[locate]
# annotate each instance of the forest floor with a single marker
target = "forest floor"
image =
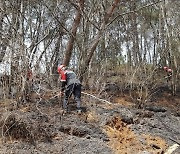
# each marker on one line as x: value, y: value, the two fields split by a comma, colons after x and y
x: 40, y: 126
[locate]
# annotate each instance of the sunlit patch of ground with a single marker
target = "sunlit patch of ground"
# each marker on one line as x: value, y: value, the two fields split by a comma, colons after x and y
x: 154, y: 142
x: 124, y: 141
x: 92, y: 117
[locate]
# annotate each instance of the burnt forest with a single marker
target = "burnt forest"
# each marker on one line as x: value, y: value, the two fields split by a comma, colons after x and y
x: 89, y: 77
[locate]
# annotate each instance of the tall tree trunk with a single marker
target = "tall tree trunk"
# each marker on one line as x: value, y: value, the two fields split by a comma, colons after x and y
x: 129, y: 51
x: 56, y: 59
x: 136, y: 52
x: 75, y: 25
x: 97, y: 38
x: 171, y: 57
x: 2, y: 42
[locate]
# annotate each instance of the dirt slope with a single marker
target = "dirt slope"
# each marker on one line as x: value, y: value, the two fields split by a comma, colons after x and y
x: 42, y: 128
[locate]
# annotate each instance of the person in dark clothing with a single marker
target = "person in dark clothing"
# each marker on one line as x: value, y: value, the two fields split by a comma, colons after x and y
x: 70, y: 85
x: 168, y: 73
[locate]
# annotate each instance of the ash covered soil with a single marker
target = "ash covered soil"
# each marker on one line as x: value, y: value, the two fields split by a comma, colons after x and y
x: 118, y: 127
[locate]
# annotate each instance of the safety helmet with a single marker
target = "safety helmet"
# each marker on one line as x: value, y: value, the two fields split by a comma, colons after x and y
x: 60, y: 68
x: 165, y: 68
x: 169, y: 70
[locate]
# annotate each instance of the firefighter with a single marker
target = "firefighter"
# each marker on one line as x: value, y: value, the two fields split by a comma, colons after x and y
x: 169, y: 73
x: 70, y: 85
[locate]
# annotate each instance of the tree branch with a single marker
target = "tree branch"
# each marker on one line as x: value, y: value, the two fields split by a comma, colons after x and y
x: 133, y: 11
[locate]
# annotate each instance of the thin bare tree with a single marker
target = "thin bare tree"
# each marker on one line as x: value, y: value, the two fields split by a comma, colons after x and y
x: 75, y: 25
x: 97, y: 38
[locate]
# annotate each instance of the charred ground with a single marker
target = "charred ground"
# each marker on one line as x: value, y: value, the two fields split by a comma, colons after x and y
x: 123, y: 123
